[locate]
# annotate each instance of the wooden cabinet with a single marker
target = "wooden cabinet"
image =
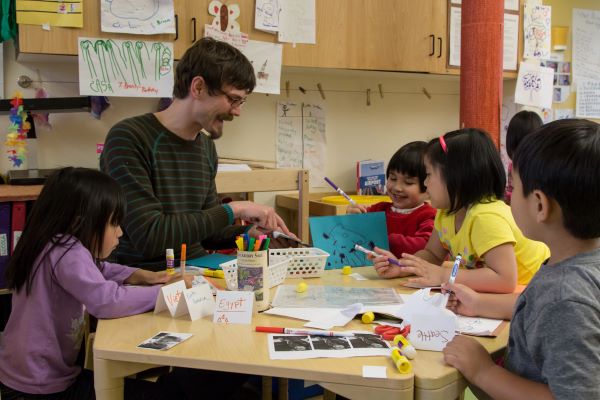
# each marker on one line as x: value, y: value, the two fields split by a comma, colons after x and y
x: 390, y: 35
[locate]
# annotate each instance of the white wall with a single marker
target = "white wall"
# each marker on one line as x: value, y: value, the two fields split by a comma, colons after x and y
x: 355, y: 131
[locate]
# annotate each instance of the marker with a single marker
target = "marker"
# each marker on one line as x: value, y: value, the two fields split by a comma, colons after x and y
x: 275, y: 329
x: 340, y: 191
x: 277, y: 234
x: 182, y: 262
x: 455, y: 268
x: 453, y: 274
x: 367, y: 251
x: 213, y: 273
x: 266, y: 242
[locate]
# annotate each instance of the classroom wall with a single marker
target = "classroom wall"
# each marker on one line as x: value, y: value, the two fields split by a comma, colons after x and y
x: 355, y: 131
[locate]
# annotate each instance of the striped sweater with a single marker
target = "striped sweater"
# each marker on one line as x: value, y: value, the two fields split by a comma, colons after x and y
x: 169, y: 184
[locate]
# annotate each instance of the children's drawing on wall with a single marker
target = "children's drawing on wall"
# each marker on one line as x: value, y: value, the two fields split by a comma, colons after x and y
x: 536, y: 31
x: 266, y: 16
x: 338, y: 234
x: 534, y: 86
x: 142, y: 17
x: 49, y: 13
x: 266, y: 60
x: 225, y: 16
x: 314, y: 143
x: 125, y: 68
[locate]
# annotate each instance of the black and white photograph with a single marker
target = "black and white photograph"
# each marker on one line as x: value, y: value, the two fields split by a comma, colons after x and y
x: 330, y: 343
x: 164, y: 340
x: 291, y: 343
x: 366, y: 341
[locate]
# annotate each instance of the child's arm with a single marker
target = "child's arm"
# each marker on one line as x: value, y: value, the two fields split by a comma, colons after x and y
x: 500, y: 276
x: 356, y: 209
x: 473, y: 361
x: 466, y: 301
x: 143, y: 277
x: 400, y: 243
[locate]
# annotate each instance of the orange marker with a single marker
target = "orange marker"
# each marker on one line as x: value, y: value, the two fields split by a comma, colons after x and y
x: 182, y: 263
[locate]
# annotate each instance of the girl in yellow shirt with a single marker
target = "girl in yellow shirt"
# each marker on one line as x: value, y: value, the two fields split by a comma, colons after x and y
x: 465, y: 182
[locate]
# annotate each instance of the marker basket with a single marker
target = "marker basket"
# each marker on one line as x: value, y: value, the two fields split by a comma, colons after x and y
x: 306, y: 262
x: 277, y: 272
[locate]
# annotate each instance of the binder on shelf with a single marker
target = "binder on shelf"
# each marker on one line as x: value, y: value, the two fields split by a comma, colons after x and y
x: 17, y: 223
x: 5, y: 248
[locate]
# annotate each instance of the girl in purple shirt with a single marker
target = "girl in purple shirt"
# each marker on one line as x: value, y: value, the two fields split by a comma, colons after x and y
x: 55, y: 274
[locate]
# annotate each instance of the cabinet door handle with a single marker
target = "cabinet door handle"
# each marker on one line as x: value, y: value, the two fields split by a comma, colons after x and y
x: 176, y: 27
x: 440, y: 53
x: 194, y: 29
x: 432, y: 45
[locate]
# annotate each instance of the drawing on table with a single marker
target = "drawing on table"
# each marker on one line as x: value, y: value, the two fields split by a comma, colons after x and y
x: 146, y: 17
x: 125, y: 67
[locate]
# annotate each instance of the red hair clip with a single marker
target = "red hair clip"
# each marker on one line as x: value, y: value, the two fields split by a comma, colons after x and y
x: 443, y: 144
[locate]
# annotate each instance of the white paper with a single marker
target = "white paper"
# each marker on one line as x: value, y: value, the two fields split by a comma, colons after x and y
x: 297, y: 21
x: 266, y: 60
x: 235, y: 38
x: 233, y: 167
x: 168, y: 297
x: 141, y: 17
x: 512, y: 5
x: 339, y: 317
x: 510, y: 45
x: 289, y: 134
x: 315, y: 143
x: 233, y: 307
x: 432, y: 331
x: 196, y: 302
x: 511, y: 41
x: 477, y: 326
x: 534, y: 86
x: 586, y: 46
x: 588, y: 99
x: 432, y: 325
x: 358, y: 277
x: 298, y: 347
x: 127, y: 68
x: 536, y: 31
x: 266, y: 15
x: 374, y: 371
x: 564, y: 113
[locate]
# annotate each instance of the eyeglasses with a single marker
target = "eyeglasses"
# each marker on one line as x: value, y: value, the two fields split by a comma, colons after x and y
x: 234, y: 101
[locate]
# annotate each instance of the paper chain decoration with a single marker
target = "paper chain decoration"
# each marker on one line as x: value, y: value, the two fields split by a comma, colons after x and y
x: 17, y: 131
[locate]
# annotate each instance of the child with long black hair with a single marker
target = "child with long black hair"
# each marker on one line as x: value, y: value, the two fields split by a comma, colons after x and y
x: 55, y: 273
x: 465, y: 182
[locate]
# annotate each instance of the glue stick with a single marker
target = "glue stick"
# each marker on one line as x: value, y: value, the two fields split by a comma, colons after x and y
x: 405, y: 347
x: 170, y: 262
x: 402, y: 364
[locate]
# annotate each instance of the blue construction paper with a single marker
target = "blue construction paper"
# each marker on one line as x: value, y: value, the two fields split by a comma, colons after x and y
x: 338, y: 234
x: 210, y: 260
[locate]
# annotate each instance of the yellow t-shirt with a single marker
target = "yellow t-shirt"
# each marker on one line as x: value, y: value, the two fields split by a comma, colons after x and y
x: 488, y: 225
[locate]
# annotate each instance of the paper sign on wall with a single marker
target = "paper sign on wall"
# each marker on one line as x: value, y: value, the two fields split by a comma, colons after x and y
x: 130, y: 68
x: 233, y: 307
x: 197, y: 302
x: 168, y: 297
x: 534, y: 86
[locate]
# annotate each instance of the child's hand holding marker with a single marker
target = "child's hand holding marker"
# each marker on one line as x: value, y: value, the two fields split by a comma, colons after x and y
x: 385, y: 263
x: 356, y: 209
x: 463, y: 300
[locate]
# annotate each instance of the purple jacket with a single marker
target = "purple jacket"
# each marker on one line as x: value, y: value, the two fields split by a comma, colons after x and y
x: 43, y: 335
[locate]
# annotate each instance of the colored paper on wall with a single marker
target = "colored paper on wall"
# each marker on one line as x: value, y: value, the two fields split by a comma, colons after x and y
x: 50, y: 12
x: 534, y: 86
x: 127, y: 68
x: 536, y: 31
x: 338, y: 234
x: 141, y: 17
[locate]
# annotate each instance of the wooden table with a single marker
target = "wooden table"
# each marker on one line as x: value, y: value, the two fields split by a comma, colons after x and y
x: 237, y: 348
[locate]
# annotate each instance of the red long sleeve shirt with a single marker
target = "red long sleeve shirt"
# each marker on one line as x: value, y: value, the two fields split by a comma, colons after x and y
x: 407, y: 233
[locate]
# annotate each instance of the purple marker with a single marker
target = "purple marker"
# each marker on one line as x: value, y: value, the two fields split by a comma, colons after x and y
x: 367, y: 251
x: 340, y: 191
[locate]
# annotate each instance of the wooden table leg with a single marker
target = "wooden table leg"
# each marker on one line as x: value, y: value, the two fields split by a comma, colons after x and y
x: 109, y: 377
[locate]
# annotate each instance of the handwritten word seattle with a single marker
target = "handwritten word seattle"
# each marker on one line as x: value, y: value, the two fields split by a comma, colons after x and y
x: 430, y: 335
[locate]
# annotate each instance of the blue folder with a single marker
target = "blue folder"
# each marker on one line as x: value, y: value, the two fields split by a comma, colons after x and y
x: 210, y: 261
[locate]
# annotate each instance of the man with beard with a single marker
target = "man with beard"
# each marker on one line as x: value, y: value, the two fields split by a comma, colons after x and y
x: 167, y: 166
